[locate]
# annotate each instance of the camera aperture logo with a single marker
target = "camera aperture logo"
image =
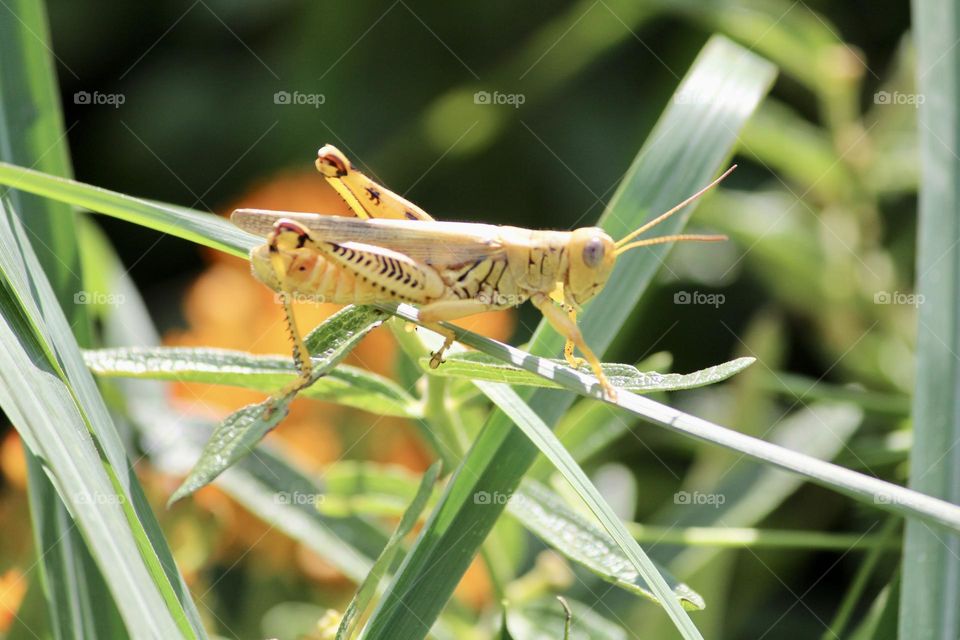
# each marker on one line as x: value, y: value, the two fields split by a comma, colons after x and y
x: 98, y: 298
x: 298, y: 98
x: 699, y: 298
x: 696, y: 498
x: 96, y: 98
x: 898, y: 298
x: 897, y: 97
x: 496, y: 98
x: 298, y: 498
x: 485, y: 497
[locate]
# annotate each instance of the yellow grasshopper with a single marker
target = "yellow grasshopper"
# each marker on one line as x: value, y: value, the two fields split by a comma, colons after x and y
x: 395, y: 252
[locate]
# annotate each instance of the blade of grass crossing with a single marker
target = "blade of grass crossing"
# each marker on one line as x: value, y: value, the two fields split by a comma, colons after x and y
x: 49, y: 397
x: 930, y: 598
x: 368, y: 588
x: 31, y: 126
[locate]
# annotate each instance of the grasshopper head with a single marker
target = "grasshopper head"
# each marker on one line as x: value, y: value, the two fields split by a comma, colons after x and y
x: 592, y: 256
x: 261, y: 267
x: 275, y: 259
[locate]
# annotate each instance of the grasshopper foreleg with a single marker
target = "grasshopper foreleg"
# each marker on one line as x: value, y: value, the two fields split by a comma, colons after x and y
x: 570, y: 345
x: 562, y: 322
x: 557, y: 296
x: 284, y: 237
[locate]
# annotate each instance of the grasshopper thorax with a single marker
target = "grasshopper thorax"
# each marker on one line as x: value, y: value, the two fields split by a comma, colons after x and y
x: 592, y: 255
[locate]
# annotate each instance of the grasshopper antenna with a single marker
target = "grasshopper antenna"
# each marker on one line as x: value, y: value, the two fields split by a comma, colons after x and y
x: 624, y: 243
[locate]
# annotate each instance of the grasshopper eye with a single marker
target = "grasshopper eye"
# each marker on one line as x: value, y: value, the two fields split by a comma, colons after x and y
x: 593, y: 252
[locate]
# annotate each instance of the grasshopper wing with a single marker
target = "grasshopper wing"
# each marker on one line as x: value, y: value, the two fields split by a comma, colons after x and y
x: 445, y: 244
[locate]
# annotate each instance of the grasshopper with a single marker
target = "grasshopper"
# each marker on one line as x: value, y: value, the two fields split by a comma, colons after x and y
x: 393, y: 251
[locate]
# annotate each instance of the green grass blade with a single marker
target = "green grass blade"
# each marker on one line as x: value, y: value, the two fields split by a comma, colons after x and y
x: 544, y: 512
x: 368, y: 588
x: 853, y: 596
x: 683, y: 153
x: 881, y: 494
x: 346, y: 385
x: 930, y: 597
x: 31, y: 133
x: 53, y: 401
x: 203, y: 228
x: 474, y: 365
x: 540, y: 434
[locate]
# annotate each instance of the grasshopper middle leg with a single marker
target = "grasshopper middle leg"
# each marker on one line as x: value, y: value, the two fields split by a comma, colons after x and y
x: 444, y: 310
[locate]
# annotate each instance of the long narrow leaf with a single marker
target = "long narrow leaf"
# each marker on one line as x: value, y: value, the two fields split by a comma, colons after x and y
x: 52, y: 400
x: 368, y: 588
x: 480, y: 366
x: 345, y: 385
x: 930, y: 597
x: 881, y: 494
x: 31, y: 133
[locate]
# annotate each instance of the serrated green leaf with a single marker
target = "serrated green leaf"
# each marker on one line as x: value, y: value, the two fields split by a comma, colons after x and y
x: 475, y: 365
x: 346, y: 385
x: 547, y: 515
x: 232, y: 440
x: 235, y: 437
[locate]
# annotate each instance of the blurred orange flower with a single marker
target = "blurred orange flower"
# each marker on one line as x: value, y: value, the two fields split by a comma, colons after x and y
x: 13, y: 586
x: 12, y: 464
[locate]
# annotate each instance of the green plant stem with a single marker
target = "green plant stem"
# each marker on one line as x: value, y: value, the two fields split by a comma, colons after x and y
x: 883, y: 495
x: 748, y: 537
x: 840, y: 621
